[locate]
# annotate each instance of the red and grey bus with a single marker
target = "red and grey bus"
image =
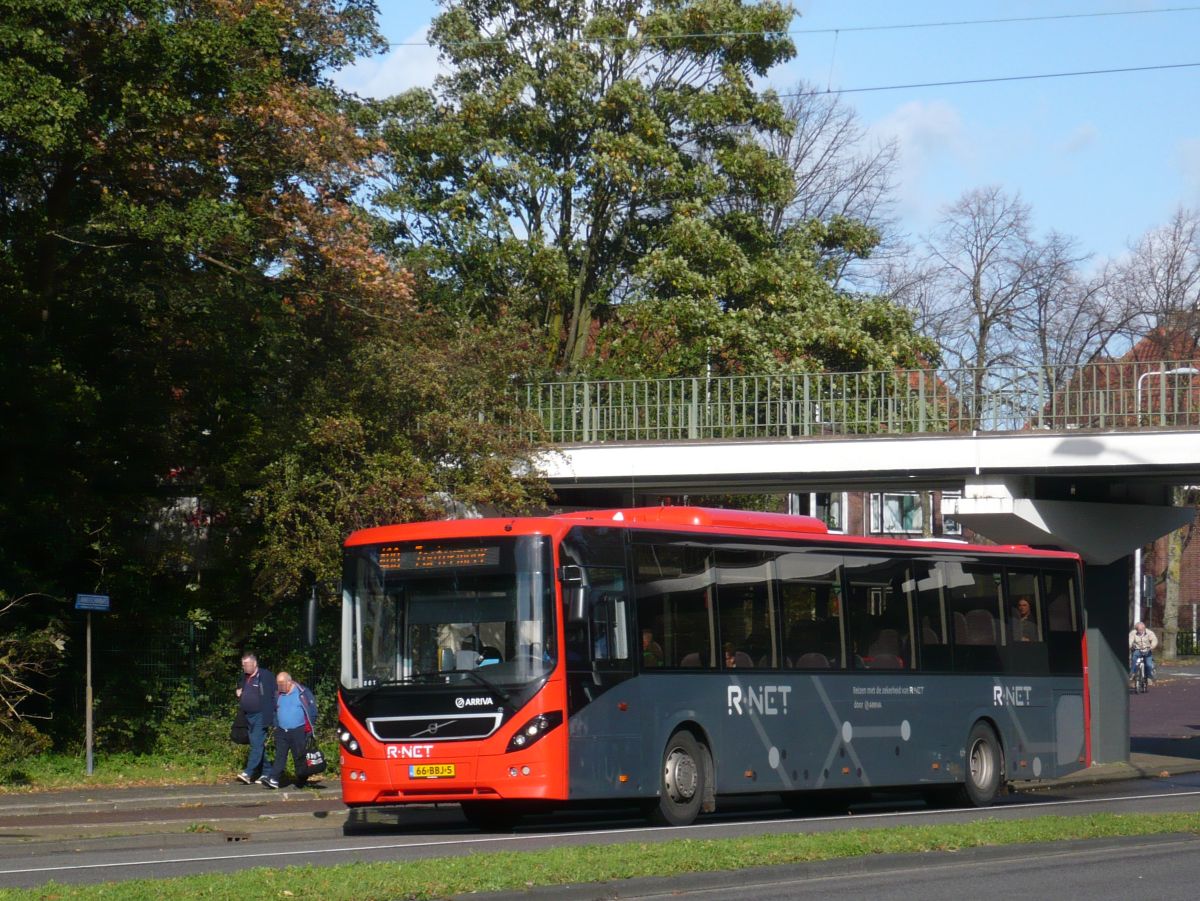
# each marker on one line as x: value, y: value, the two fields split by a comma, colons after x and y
x: 669, y: 656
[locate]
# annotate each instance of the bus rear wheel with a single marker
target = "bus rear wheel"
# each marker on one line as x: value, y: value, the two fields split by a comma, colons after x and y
x: 982, y: 767
x: 681, y: 782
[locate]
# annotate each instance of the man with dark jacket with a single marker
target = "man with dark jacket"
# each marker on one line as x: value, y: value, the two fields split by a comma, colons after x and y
x: 256, y: 697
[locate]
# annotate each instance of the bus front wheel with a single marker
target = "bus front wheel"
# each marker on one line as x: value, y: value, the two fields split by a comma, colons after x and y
x: 982, y: 767
x: 681, y: 782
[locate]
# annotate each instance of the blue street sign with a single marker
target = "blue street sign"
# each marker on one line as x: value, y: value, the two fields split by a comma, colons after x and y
x: 96, y: 602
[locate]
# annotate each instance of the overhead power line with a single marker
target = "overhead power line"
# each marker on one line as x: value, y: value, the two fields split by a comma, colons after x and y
x: 1000, y: 21
x: 942, y: 84
x: 855, y: 28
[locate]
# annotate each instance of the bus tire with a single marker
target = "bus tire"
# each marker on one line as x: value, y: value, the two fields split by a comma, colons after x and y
x: 982, y: 768
x: 681, y: 782
x: 491, y: 816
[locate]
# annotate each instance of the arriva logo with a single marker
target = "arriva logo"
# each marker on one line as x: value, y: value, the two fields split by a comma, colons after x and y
x: 460, y: 703
x: 768, y: 700
x: 1012, y: 695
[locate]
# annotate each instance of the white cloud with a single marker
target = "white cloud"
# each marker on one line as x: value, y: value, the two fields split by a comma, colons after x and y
x: 1187, y: 159
x: 409, y: 64
x: 931, y: 139
x: 1082, y: 138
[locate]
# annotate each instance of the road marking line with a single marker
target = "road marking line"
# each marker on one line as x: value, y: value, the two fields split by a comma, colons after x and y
x: 524, y: 837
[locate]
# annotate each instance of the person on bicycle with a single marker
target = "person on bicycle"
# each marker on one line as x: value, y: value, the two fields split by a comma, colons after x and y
x: 1142, y: 643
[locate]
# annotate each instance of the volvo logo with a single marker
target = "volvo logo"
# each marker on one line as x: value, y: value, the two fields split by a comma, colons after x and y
x: 460, y: 703
x: 431, y: 729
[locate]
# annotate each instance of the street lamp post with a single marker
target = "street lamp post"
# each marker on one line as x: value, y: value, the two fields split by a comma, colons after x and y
x: 1137, y: 409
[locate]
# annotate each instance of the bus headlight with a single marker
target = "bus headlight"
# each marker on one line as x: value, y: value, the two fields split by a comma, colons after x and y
x: 532, y: 731
x: 348, y: 742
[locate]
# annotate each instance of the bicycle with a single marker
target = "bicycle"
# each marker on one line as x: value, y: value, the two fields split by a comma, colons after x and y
x: 1140, y: 684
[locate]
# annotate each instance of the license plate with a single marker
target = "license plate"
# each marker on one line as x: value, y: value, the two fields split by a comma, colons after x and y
x: 431, y: 771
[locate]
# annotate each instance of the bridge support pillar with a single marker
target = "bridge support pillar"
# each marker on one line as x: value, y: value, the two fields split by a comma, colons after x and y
x: 1106, y: 588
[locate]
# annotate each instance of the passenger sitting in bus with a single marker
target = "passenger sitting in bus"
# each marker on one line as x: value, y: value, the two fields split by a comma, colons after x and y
x: 730, y: 659
x: 1024, y: 628
x: 652, y: 652
x: 735, y: 659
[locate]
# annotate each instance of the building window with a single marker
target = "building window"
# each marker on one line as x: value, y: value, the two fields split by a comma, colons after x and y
x: 828, y: 507
x: 897, y: 514
x: 950, y: 525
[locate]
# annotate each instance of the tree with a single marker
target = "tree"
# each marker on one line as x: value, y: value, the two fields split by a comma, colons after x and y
x: 839, y: 178
x: 196, y: 310
x: 568, y: 163
x: 1160, y: 280
x: 1068, y: 320
x: 178, y: 241
x: 30, y: 652
x: 606, y: 171
x: 399, y: 433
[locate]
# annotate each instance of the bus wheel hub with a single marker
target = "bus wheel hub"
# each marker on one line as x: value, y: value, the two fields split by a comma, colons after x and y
x: 680, y: 776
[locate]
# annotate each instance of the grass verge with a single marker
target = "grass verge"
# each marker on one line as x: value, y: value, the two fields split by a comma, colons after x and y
x: 186, y: 766
x: 53, y: 772
x: 444, y: 877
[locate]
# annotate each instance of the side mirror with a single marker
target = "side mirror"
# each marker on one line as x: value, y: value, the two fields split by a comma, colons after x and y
x: 573, y: 592
x: 310, y: 617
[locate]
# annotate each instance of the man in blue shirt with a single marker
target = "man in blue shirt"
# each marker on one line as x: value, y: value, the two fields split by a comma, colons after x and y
x: 295, y: 717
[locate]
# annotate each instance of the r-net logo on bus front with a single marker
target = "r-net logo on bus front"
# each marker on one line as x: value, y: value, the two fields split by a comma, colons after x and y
x: 766, y: 700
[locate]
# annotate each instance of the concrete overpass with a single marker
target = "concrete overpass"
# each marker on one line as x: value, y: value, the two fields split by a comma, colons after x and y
x: 1092, y: 472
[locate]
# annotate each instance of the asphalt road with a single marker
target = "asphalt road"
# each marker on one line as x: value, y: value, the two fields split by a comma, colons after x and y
x: 443, y: 832
x: 1160, y: 867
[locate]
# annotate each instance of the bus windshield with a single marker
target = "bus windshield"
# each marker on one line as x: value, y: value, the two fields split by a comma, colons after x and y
x: 461, y: 610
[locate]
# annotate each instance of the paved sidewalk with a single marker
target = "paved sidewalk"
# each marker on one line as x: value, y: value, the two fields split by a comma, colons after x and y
x: 1139, y: 766
x: 235, y: 807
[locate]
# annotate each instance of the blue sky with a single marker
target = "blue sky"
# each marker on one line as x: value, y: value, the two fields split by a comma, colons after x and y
x: 1102, y: 158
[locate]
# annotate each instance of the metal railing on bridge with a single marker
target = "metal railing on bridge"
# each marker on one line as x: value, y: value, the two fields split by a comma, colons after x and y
x: 1125, y: 395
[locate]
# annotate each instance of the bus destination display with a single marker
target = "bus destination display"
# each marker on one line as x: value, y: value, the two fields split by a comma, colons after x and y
x: 424, y: 558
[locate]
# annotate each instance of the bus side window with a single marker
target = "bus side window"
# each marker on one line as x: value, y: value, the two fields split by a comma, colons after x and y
x: 675, y: 601
x: 1063, y: 621
x: 809, y: 612
x: 931, y: 624
x: 745, y: 617
x: 877, y: 607
x: 609, y: 627
x: 974, y: 592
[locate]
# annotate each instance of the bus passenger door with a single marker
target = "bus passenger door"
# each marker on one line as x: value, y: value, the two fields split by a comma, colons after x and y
x: 603, y: 737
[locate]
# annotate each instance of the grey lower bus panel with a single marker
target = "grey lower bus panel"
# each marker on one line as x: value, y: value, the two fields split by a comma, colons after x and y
x: 784, y: 732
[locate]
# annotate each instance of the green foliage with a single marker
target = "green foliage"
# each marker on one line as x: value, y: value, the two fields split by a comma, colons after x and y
x: 209, y: 372
x: 602, y: 171
x: 31, y: 650
x: 763, y: 304
x: 18, y: 742
x: 396, y: 434
x: 569, y: 161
